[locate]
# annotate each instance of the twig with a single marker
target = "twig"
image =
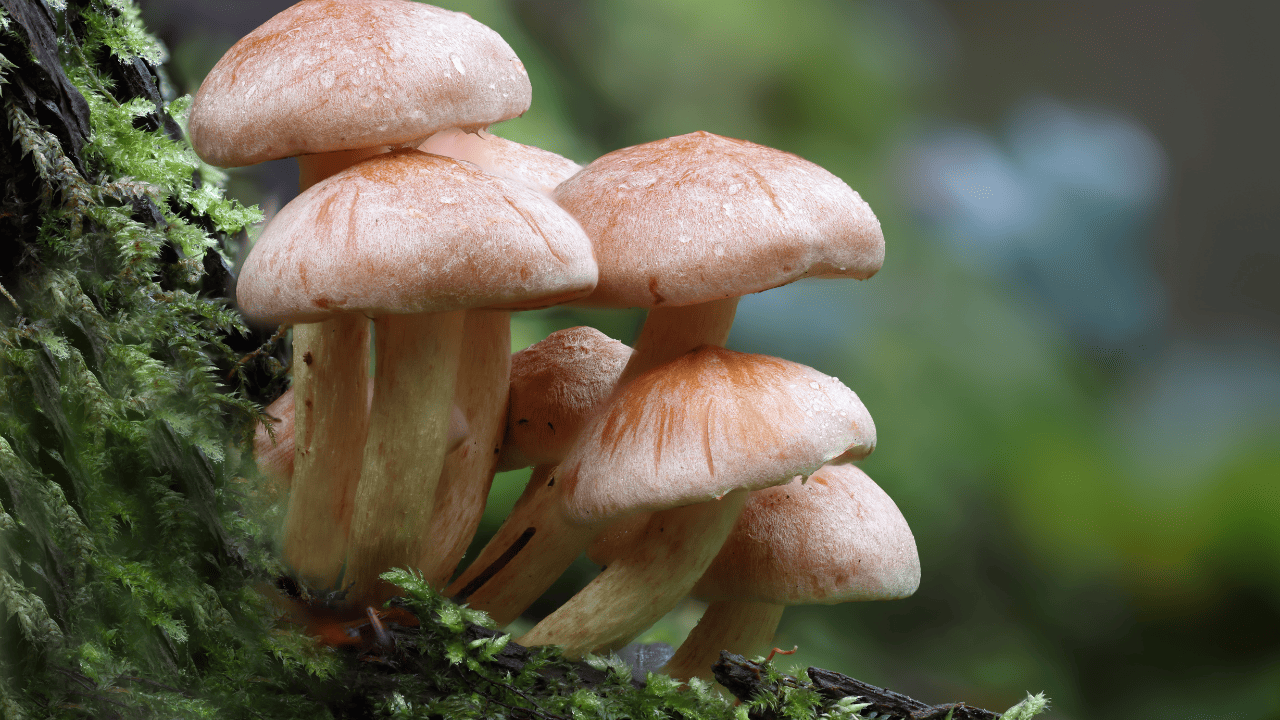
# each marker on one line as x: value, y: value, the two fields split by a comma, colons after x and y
x: 275, y: 337
x: 13, y: 302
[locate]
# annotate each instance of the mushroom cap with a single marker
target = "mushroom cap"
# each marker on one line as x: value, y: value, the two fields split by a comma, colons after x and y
x: 701, y: 217
x: 530, y: 166
x: 328, y: 75
x: 409, y: 232
x: 556, y: 386
x: 703, y: 425
x: 836, y: 537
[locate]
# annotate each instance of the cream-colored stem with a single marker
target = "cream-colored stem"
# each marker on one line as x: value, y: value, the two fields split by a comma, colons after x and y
x: 741, y: 627
x: 669, y: 332
x: 531, y: 549
x: 645, y: 582
x: 417, y: 362
x: 314, y: 168
x: 481, y: 391
x: 330, y: 367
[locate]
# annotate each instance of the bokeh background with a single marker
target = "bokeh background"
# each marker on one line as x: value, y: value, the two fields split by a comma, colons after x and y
x: 1072, y: 353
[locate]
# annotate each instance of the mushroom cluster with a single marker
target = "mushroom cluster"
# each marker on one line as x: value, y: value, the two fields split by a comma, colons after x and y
x: 683, y: 466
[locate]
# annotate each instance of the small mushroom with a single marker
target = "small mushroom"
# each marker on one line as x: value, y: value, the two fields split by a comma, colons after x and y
x: 556, y: 386
x: 834, y: 538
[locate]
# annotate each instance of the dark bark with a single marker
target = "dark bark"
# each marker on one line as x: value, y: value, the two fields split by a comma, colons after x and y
x: 747, y: 679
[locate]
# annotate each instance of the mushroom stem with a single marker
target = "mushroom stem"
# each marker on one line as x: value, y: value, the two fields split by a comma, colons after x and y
x: 643, y: 583
x: 331, y: 364
x: 273, y: 446
x: 481, y: 392
x: 330, y: 367
x: 417, y: 361
x: 533, y: 547
x: 739, y: 626
x: 670, y: 332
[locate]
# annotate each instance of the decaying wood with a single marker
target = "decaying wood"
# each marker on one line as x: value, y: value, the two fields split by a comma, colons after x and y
x: 745, y: 679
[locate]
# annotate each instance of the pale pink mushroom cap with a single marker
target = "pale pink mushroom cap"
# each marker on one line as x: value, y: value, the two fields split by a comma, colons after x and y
x: 556, y: 386
x: 409, y: 232
x: 836, y: 537
x: 701, y: 426
x: 329, y: 75
x: 700, y: 217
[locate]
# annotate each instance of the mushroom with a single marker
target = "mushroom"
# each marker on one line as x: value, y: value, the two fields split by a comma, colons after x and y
x: 835, y: 537
x: 332, y: 82
x: 428, y: 237
x: 556, y: 386
x: 686, y: 225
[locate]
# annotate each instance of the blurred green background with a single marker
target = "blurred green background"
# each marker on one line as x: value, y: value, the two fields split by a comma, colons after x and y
x: 1072, y: 353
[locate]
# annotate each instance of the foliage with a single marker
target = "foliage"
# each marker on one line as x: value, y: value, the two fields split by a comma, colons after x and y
x: 124, y: 580
x: 534, y: 681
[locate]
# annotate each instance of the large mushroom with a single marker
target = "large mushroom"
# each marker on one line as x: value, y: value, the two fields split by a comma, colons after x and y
x: 428, y: 238
x: 332, y: 82
x: 481, y: 389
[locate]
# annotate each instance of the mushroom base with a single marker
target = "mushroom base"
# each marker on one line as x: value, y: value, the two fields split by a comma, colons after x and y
x: 330, y: 391
x: 744, y: 628
x: 481, y: 393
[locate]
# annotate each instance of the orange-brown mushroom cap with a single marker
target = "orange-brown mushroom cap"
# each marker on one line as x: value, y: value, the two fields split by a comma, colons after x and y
x: 329, y: 75
x: 556, y: 386
x: 409, y: 232
x: 708, y: 423
x: 531, y: 166
x: 836, y: 537
x: 700, y: 217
